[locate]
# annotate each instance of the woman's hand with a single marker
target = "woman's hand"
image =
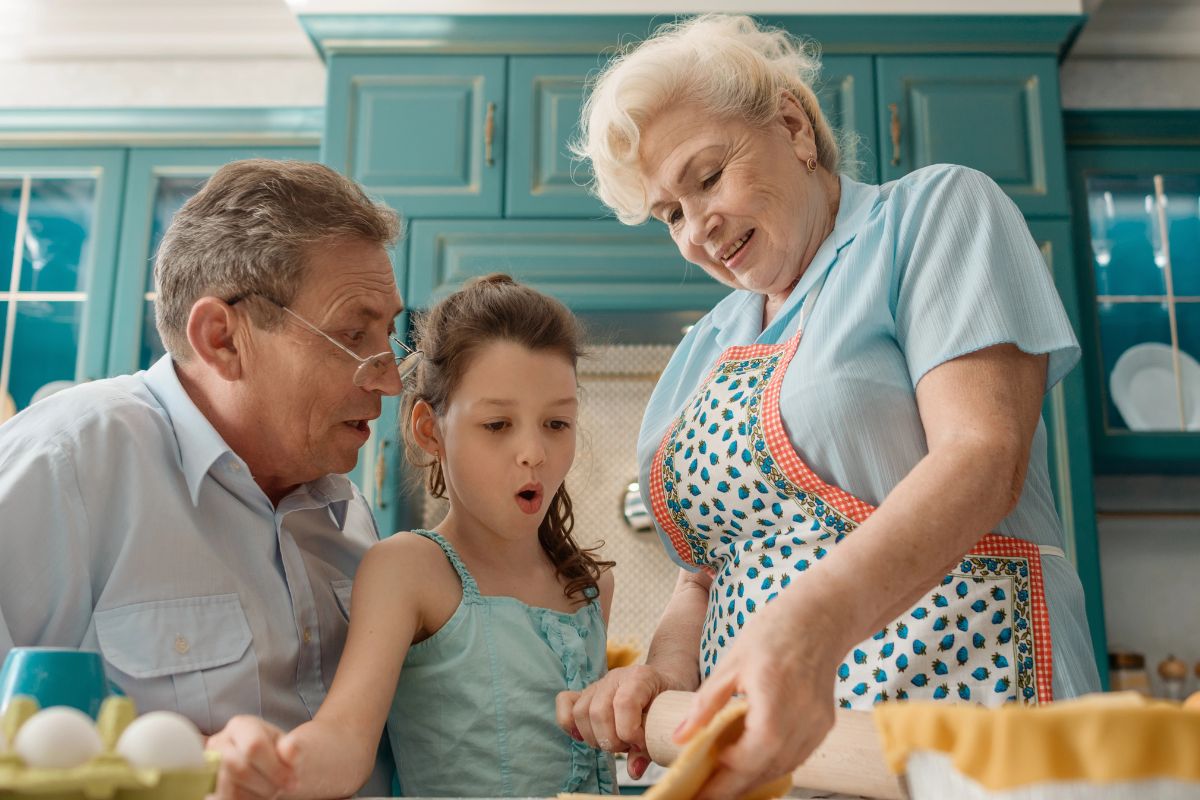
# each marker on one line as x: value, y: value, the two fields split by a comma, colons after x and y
x: 783, y: 662
x: 609, y: 713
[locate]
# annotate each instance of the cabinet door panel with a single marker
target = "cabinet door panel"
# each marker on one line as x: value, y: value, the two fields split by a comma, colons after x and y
x: 545, y: 97
x: 1068, y: 447
x: 596, y: 265
x: 999, y: 115
x: 425, y: 133
x: 59, y: 215
x: 847, y: 96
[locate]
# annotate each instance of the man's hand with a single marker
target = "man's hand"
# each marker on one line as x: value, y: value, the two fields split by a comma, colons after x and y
x: 250, y: 765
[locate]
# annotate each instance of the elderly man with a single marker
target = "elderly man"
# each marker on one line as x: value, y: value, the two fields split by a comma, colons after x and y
x: 191, y: 522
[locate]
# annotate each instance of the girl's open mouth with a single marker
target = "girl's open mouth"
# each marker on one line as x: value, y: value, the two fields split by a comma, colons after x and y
x: 529, y: 498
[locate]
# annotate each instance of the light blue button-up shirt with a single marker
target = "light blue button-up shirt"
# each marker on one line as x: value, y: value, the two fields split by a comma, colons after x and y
x: 128, y: 526
x: 916, y: 273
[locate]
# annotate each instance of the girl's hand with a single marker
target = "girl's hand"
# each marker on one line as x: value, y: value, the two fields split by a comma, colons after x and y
x: 783, y: 662
x: 250, y: 765
x: 608, y: 714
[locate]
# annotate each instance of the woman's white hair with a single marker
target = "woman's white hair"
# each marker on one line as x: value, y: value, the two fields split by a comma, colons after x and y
x: 723, y: 63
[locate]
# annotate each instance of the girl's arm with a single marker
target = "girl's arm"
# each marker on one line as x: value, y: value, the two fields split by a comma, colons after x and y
x: 333, y: 755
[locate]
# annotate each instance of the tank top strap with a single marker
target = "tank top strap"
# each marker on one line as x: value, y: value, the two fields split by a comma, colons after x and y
x: 470, y: 588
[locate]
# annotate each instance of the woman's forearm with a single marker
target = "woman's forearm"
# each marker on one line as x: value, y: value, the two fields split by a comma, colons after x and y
x: 677, y: 638
x: 980, y: 412
x: 931, y: 518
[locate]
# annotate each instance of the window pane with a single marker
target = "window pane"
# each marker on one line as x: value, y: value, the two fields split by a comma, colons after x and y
x: 1183, y: 219
x: 7, y: 406
x: 10, y: 208
x: 151, y: 345
x: 1188, y: 317
x: 45, y: 343
x: 1127, y: 251
x: 170, y: 194
x: 1135, y: 344
x: 57, y: 242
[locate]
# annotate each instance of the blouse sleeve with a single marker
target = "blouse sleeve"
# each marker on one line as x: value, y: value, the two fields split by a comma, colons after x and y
x: 968, y: 275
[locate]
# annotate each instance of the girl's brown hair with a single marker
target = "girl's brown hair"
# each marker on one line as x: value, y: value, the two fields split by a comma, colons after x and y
x: 490, y: 309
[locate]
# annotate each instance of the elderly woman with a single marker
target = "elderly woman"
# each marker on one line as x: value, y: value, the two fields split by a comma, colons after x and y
x: 845, y: 456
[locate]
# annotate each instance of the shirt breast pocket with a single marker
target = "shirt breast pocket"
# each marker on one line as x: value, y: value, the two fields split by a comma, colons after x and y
x: 342, y: 590
x: 190, y: 654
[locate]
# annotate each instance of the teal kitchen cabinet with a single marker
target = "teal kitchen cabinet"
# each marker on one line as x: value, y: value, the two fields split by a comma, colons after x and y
x: 1069, y: 454
x: 847, y: 97
x: 426, y: 134
x: 1135, y: 184
x: 997, y: 114
x: 593, y: 266
x: 157, y: 182
x: 59, y: 221
x: 546, y: 96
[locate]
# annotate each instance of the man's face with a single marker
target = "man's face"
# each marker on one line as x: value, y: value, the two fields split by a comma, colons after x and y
x: 311, y: 418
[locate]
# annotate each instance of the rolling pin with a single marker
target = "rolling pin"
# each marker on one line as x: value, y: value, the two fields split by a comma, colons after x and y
x: 849, y: 761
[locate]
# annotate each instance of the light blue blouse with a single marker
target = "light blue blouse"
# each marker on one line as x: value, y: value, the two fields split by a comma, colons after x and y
x: 917, y: 272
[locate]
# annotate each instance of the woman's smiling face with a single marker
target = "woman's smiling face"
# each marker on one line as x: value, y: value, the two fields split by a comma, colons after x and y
x: 738, y: 199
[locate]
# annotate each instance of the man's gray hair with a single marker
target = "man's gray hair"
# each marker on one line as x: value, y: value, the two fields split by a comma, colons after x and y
x: 249, y: 231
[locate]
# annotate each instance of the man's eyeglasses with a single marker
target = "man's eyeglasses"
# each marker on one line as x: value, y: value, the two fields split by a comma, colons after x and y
x: 371, y: 369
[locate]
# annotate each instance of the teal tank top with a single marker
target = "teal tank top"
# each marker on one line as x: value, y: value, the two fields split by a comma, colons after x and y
x: 473, y: 714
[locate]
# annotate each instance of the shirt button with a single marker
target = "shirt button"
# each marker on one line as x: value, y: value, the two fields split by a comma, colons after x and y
x: 307, y: 635
x: 236, y: 467
x: 181, y: 644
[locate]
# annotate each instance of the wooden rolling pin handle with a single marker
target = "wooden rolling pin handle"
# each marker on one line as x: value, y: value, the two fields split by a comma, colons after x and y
x: 850, y: 760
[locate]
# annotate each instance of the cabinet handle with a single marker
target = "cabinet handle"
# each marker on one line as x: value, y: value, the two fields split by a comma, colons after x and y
x: 489, y: 134
x: 380, y: 474
x: 895, y: 109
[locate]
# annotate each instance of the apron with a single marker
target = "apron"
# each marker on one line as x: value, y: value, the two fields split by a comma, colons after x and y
x: 735, y: 499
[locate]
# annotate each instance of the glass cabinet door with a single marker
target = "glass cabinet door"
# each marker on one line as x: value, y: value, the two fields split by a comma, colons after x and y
x: 1137, y: 222
x: 58, y: 216
x: 1145, y: 237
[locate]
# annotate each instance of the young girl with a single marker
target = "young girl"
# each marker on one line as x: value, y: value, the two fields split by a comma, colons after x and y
x: 466, y: 633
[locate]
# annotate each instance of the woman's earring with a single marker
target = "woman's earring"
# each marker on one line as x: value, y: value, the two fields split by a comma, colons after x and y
x: 811, y: 164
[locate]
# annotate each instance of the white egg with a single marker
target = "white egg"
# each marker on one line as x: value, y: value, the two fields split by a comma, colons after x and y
x: 57, y: 738
x: 162, y: 740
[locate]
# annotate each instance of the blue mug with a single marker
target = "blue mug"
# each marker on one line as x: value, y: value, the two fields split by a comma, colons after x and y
x: 55, y: 676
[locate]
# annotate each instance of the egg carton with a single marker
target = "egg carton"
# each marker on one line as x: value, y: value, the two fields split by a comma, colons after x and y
x: 108, y: 776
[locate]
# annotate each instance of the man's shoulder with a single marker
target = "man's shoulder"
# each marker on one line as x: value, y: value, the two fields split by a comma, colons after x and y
x: 119, y: 411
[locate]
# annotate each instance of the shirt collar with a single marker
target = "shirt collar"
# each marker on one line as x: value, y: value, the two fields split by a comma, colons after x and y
x: 857, y: 202
x: 200, y: 446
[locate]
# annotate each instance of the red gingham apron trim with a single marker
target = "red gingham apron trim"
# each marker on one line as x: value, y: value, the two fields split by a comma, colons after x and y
x: 786, y: 457
x: 994, y: 544
x: 658, y: 501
